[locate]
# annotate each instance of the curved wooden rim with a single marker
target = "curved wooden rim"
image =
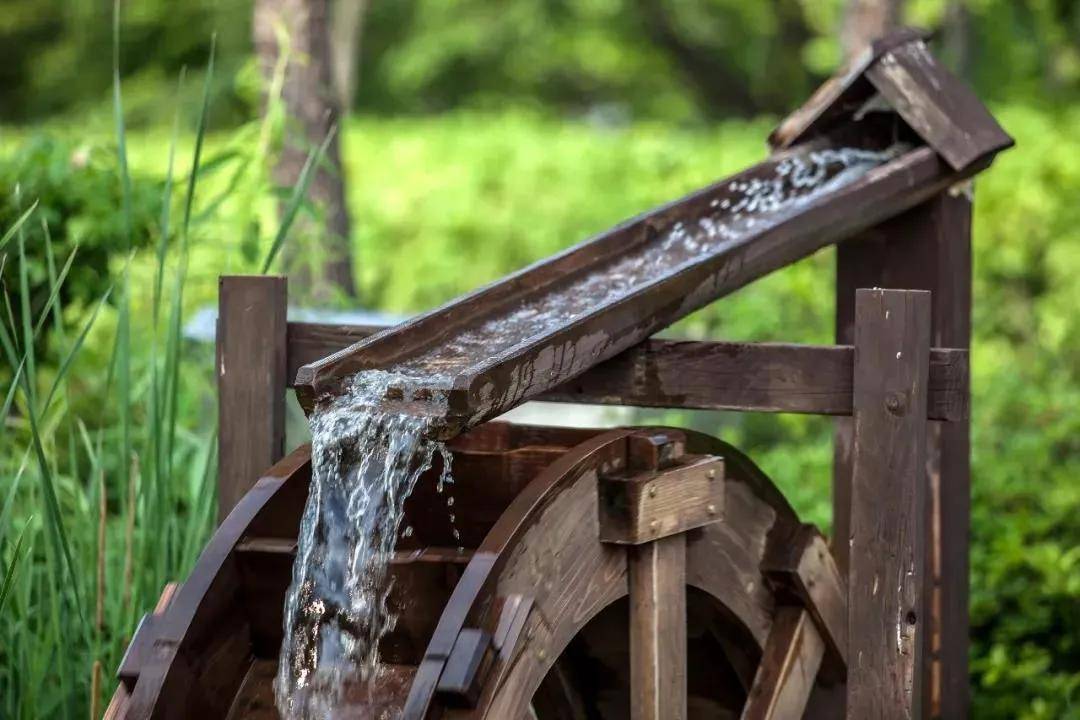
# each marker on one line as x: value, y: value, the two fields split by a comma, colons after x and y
x: 476, y: 589
x: 165, y: 667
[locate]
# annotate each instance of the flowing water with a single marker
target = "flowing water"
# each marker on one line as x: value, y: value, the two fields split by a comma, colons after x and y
x: 367, y: 459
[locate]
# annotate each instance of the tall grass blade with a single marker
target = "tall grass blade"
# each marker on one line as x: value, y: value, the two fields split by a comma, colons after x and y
x: 296, y: 201
x: 17, y: 225
x: 9, y: 574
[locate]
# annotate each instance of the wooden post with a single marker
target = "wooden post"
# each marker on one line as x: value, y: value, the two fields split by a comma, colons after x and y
x: 927, y: 248
x: 888, y: 602
x: 658, y: 629
x: 251, y: 343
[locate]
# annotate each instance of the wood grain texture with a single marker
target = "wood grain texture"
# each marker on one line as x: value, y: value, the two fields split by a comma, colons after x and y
x: 802, y: 572
x: 648, y: 506
x: 937, y: 105
x: 788, y: 669
x: 658, y: 629
x: 928, y: 248
x: 887, y: 602
x: 251, y: 356
x: 701, y: 375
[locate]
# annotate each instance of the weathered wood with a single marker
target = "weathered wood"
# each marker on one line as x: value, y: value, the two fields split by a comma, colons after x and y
x: 486, y: 384
x: 251, y: 350
x: 937, y: 105
x: 652, y: 505
x: 788, y: 669
x: 701, y: 375
x: 801, y: 571
x: 839, y: 97
x: 887, y: 600
x: 658, y: 630
x: 927, y: 248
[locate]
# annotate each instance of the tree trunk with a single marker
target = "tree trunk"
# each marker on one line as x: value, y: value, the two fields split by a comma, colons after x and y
x: 347, y: 23
x: 866, y: 21
x: 312, y: 112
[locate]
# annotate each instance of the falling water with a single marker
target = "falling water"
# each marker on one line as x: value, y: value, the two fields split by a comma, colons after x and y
x: 365, y: 462
x: 366, y: 458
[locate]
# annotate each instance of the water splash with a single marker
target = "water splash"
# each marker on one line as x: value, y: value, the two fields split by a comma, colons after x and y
x: 365, y: 463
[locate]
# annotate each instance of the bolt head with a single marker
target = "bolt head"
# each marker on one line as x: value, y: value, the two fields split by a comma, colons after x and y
x: 652, y: 491
x: 711, y: 509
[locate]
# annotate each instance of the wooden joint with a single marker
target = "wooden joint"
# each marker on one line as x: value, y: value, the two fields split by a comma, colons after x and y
x: 141, y: 647
x: 801, y: 571
x: 646, y: 506
x: 460, y: 681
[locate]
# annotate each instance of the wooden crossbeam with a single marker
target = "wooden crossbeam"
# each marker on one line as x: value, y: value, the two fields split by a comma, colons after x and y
x: 761, y: 377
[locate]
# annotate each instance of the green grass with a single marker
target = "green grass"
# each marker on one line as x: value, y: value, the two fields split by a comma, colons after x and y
x: 107, y: 457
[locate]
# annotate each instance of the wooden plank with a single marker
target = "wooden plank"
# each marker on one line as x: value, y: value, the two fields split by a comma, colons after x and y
x: 758, y: 377
x: 251, y: 349
x: 788, y: 669
x: 887, y: 602
x: 658, y: 629
x: 652, y: 505
x: 937, y: 105
x: 928, y: 248
x: 801, y: 571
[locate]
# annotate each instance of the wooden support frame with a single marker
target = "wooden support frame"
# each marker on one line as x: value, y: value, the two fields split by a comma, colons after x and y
x: 888, y: 602
x: 251, y: 364
x: 926, y: 248
x: 658, y: 629
x: 701, y: 375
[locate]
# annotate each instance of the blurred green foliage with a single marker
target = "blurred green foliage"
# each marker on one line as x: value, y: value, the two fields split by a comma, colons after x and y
x: 75, y: 186
x: 666, y: 59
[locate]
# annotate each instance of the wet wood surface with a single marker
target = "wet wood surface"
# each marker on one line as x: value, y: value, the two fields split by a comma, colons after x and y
x: 888, y: 601
x: 704, y: 375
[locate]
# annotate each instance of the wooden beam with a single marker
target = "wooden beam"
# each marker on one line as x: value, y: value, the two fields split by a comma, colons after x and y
x: 802, y: 572
x: 888, y: 606
x: 788, y: 669
x: 927, y: 248
x: 651, y: 505
x: 251, y: 356
x: 759, y: 377
x: 658, y: 629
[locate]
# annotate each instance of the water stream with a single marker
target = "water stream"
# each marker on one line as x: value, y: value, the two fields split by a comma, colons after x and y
x: 366, y: 460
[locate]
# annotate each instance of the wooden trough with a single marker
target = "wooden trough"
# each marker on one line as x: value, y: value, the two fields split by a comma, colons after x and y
x: 650, y: 573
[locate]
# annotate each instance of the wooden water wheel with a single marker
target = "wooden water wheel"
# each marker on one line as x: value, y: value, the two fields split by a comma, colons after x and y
x: 645, y: 573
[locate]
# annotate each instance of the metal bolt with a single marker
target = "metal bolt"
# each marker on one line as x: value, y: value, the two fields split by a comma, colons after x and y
x: 894, y: 403
x: 541, y: 653
x: 711, y: 509
x: 652, y: 491
x: 654, y: 525
x: 711, y: 474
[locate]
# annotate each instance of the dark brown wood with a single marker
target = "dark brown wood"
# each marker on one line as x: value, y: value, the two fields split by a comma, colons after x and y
x: 888, y: 599
x: 644, y: 507
x: 802, y: 572
x: 251, y: 349
x: 840, y: 96
x: 788, y: 669
x: 702, y: 375
x: 927, y: 248
x: 658, y: 629
x: 937, y: 105
x: 520, y: 372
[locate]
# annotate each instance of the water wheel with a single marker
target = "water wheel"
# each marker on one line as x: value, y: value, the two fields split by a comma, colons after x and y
x: 645, y: 573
